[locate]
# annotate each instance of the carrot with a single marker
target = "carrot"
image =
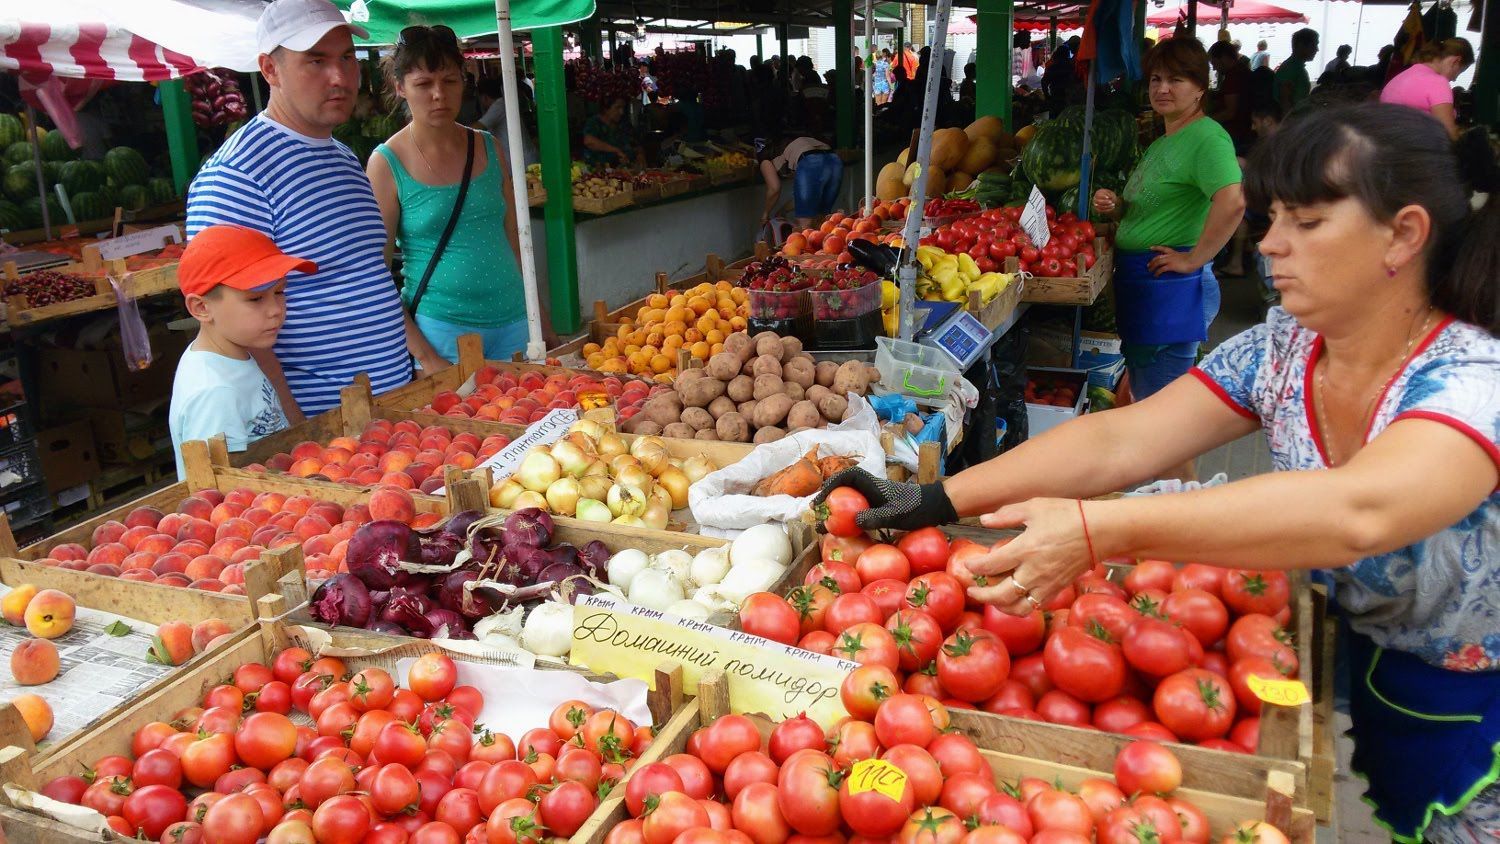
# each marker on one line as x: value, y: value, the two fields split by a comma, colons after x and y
x: 830, y: 466
x: 799, y: 479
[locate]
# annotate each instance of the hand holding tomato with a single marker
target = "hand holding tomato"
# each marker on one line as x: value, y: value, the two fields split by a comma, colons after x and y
x: 1045, y: 559
x: 899, y: 506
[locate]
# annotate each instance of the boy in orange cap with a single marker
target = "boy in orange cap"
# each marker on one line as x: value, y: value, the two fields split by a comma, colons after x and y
x: 234, y: 283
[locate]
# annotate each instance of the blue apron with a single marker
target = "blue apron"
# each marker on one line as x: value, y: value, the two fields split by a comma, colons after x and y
x: 1152, y: 310
x: 1427, y: 739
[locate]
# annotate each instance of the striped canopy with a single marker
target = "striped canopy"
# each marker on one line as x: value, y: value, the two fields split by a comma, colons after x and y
x: 38, y: 49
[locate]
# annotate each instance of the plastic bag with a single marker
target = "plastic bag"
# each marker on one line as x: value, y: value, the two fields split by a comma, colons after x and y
x: 133, y: 337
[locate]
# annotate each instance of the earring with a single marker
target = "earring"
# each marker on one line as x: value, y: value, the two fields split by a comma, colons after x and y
x: 1390, y: 272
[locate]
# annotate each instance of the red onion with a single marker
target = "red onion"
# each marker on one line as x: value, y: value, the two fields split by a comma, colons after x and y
x: 447, y: 624
x: 409, y: 610
x: 531, y: 526
x: 558, y: 572
x: 341, y: 599
x: 594, y: 559
x: 458, y: 524
x: 376, y: 548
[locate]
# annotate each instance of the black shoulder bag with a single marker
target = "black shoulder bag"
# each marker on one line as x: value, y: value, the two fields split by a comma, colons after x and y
x: 458, y: 207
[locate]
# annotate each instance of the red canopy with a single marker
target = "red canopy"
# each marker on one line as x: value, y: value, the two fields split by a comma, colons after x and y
x: 1242, y: 11
x: 1021, y: 24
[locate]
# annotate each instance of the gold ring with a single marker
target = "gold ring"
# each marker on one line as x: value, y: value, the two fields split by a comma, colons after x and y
x: 1024, y: 591
x: 1035, y: 604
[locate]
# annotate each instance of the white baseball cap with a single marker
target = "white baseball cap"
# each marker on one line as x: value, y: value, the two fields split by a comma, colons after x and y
x: 299, y: 24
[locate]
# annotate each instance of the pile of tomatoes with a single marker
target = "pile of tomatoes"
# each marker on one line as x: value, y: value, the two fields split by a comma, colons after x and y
x: 1168, y: 654
x: 990, y: 237
x: 381, y: 764
x: 734, y: 786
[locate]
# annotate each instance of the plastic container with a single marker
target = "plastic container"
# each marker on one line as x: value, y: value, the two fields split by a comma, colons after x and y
x: 847, y: 335
x: 845, y: 304
x: 915, y: 370
x: 14, y: 429
x: 771, y: 305
x: 19, y: 467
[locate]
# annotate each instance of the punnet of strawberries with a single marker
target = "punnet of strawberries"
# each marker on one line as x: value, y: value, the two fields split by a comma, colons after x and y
x: 849, y: 291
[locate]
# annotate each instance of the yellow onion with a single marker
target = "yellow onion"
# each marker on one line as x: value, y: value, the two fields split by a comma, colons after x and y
x: 589, y: 428
x: 585, y: 445
x: 529, y: 499
x: 571, y: 459
x: 598, y: 468
x: 538, y: 471
x: 697, y: 467
x: 675, y: 482
x: 653, y: 458
x: 595, y: 486
x: 658, y: 494
x: 563, y: 495
x: 620, y: 461
x: 593, y: 510
x: 503, y: 495
x: 656, y: 516
x: 632, y: 476
x: 610, y: 445
x: 626, y: 500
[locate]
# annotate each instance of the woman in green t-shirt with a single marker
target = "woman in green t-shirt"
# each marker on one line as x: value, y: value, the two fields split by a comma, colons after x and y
x: 1181, y: 205
x: 476, y: 285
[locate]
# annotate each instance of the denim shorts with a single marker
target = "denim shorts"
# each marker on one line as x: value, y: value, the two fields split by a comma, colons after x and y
x: 815, y: 185
x: 1172, y: 361
x: 500, y: 341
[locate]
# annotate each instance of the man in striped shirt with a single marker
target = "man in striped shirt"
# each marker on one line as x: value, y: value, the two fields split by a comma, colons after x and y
x: 283, y: 174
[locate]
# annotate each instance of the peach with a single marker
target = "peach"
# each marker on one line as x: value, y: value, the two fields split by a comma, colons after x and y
x: 469, y: 439
x: 132, y: 537
x: 212, y: 496
x: 463, y: 460
x: 337, y: 454
x: 143, y: 516
x: 111, y: 552
x: 271, y: 501
x: 104, y: 569
x: 392, y: 503
x: 431, y: 485
x: 495, y: 441
x: 343, y: 530
x: 395, y: 461
x: 208, y: 584
x: 285, y: 540
x: 173, y: 644
x: 246, y: 554
x: 487, y: 391
x: 168, y: 563
x: 13, y: 605
x: 73, y: 565
x: 110, y: 531
x: 339, y: 552
x: 226, y: 547
x: 330, y: 512
x: 264, y: 535
x: 34, y: 662
x: 208, y: 630
x: 346, y: 443
x: 257, y: 515
x: 240, y: 497
x: 445, y: 400
x: 430, y: 456
x: 156, y: 543
x: 298, y: 504
x: 199, y: 529
x: 404, y: 440
x: 487, y: 413
x: 173, y: 522
x: 232, y: 574
x: 173, y: 578
x: 37, y: 714
x: 419, y: 472
x: 407, y: 426
x: 138, y: 560
x: 358, y: 514
x: 437, y: 431
x: 69, y: 551
x: 306, y: 449
x: 426, y: 520
x: 372, y: 449
x: 399, y: 479
x: 306, y: 468
x: 332, y: 472
x: 143, y: 575
x: 205, y: 565
x: 50, y: 614
x: 237, y: 526
x: 284, y: 520
x: 320, y: 544
x: 279, y: 462
x: 311, y: 525
x: 226, y: 511
x: 191, y: 547
x: 367, y: 477
x: 437, y: 444
x: 196, y: 506
x: 504, y: 403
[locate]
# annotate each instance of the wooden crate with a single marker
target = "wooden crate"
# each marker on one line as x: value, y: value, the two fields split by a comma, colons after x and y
x: 594, y: 205
x: 676, y: 187
x: 645, y: 194
x: 142, y: 283
x: 1083, y: 290
x: 994, y: 313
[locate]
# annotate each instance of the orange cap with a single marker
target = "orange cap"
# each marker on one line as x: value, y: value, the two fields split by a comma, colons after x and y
x: 241, y: 258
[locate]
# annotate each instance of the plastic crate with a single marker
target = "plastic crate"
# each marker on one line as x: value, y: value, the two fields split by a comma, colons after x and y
x: 19, y: 467
x: 14, y: 428
x: 915, y: 370
x: 25, y: 506
x: 845, y: 304
x: 769, y: 305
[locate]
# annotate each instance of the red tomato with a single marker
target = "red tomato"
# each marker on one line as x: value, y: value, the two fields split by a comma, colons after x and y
x: 930, y: 825
x: 850, y: 609
x: 1150, y: 574
x: 564, y: 809
x: 852, y: 741
x: 264, y: 739
x: 625, y: 832
x: 1240, y: 672
x: 889, y: 594
x: 755, y: 812
x: 467, y: 698
x: 926, y: 549
x: 651, y: 780
x: 726, y: 738
x: 492, y: 747
x: 956, y: 754
x: 191, y: 832
x: 1085, y: 666
x: 153, y: 808
x: 1151, y: 730
x: 697, y: 779
x: 1195, y: 704
x: 435, y: 832
x: 400, y: 744
x: 1265, y: 592
x: 1246, y: 734
x: 1119, y: 714
x: 339, y: 820
x: 1145, y: 766
x: 539, y: 740
x: 1059, y: 707
x: 838, y: 510
x: 452, y: 737
x: 370, y: 689
x: 768, y: 615
x: 1260, y: 635
x: 1031, y: 671
x: 867, y: 644
x: 940, y: 595
x: 1199, y: 612
x: 323, y: 779
x: 842, y: 549
x: 406, y: 705
x: 1156, y: 647
x: 1004, y: 810
x: 972, y: 667
x: 1110, y: 613
x: 882, y: 562
x: 274, y: 696
x: 290, y: 663
x: 904, y: 719
x: 1013, y: 694
x: 156, y: 767
x: 432, y: 676
x: 1060, y: 811
x: 794, y: 734
x: 962, y: 551
x: 872, y: 813
x: 675, y: 814
x: 1020, y: 634
x: 1193, y: 821
x: 238, y: 819
x: 922, y: 772
x: 837, y: 576
x: 918, y: 638
x: 1198, y: 576
x: 964, y: 793
x: 394, y: 789
x: 506, y: 780
x: 306, y: 687
x: 1101, y: 796
x: 515, y: 822
x: 150, y: 737
x: 208, y: 758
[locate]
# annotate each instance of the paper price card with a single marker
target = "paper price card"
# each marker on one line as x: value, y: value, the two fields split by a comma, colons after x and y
x: 1034, y: 219
x: 1279, y: 692
x: 764, y: 676
x: 877, y: 775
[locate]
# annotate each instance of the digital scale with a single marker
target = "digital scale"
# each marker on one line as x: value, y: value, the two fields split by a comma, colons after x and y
x: 953, y: 330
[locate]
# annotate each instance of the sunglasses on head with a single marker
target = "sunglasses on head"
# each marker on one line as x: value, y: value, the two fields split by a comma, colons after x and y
x: 413, y: 35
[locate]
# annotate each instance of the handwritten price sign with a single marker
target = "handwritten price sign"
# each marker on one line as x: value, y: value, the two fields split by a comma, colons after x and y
x: 1279, y: 692
x: 877, y: 775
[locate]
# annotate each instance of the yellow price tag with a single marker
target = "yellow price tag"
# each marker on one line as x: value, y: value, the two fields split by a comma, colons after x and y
x: 1279, y: 692
x: 877, y: 775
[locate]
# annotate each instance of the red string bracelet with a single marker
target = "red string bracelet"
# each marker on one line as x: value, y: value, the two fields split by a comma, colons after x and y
x: 1093, y: 558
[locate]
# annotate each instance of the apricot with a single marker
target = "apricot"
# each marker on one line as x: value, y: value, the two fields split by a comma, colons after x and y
x: 36, y: 712
x: 13, y: 605
x: 49, y: 614
x: 34, y: 662
x: 173, y: 644
x: 208, y: 630
x: 143, y: 517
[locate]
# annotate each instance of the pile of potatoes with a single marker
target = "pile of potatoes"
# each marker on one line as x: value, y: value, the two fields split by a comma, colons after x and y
x: 758, y: 389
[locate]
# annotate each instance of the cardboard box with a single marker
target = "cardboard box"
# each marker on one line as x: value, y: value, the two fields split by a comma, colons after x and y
x: 69, y: 457
x: 131, y: 434
x: 100, y: 378
x: 1044, y: 417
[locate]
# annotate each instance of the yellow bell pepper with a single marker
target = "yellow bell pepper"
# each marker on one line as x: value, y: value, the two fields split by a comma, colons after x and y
x: 967, y: 268
x: 890, y: 294
x: 890, y: 321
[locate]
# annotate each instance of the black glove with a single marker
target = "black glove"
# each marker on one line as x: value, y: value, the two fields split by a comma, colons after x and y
x: 893, y: 505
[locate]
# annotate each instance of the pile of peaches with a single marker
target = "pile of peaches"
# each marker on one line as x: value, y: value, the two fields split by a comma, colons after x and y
x: 212, y: 536
x: 402, y: 454
x: 524, y: 398
x: 834, y: 235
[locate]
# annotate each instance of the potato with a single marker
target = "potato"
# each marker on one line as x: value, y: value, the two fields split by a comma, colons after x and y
x: 825, y: 372
x: 792, y: 346
x: 663, y: 409
x: 768, y: 385
x: 793, y: 390
x: 769, y: 435
x: 681, y: 430
x: 804, y: 414
x: 771, y: 410
x: 913, y: 423
x: 740, y: 345
x: 749, y: 363
x: 801, y: 371
x: 707, y: 434
x: 747, y: 408
x: 698, y: 418
x: 766, y: 365
x: 816, y: 392
x: 687, y: 376
x: 720, y: 406
x: 832, y: 407
x: 702, y: 391
x: 646, y: 428
x: 767, y: 343
x: 850, y: 378
x: 733, y: 428
x: 742, y: 388
x: 872, y: 375
x: 724, y: 366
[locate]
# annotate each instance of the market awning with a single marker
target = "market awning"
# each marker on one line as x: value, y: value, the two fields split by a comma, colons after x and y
x: 1242, y: 11
x: 138, y: 41
x: 468, y: 18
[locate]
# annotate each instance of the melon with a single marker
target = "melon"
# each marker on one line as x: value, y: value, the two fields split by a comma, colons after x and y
x: 937, y: 180
x: 988, y: 126
x: 905, y: 157
x: 161, y: 191
x: 948, y: 148
x: 1023, y: 135
x: 32, y: 210
x: 52, y: 170
x: 126, y: 166
x: 55, y: 147
x: 889, y: 185
x: 959, y: 181
x: 11, y: 217
x: 20, y: 182
x: 980, y: 156
x: 91, y: 205
x: 82, y: 176
x: 133, y: 197
x: 18, y: 153
x: 11, y: 130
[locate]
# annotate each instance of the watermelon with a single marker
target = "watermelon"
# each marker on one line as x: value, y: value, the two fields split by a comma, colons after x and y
x: 11, y: 217
x: 82, y: 176
x: 20, y: 182
x: 133, y: 197
x: 18, y: 153
x: 53, y: 171
x: 160, y: 191
x: 1068, y: 200
x: 1051, y: 159
x: 32, y: 210
x: 55, y: 147
x: 11, y: 130
x: 91, y: 205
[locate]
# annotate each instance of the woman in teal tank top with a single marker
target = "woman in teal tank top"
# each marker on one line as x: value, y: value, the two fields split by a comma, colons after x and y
x: 476, y: 285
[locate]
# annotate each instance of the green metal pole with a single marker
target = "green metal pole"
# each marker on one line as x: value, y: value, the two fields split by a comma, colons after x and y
x: 182, y: 135
x: 1487, y: 75
x: 781, y: 32
x: 1051, y: 34
x: 557, y: 165
x: 760, y: 46
x: 1138, y: 31
x: 994, y: 45
x: 843, y: 73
